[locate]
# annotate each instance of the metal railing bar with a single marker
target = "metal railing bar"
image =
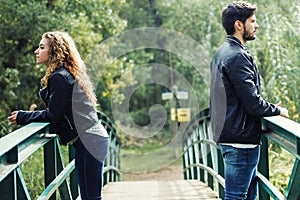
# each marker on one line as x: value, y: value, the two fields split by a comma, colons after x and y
x: 285, y: 144
x: 23, y: 155
x: 18, y: 136
x: 284, y: 125
x: 205, y: 141
x: 282, y: 131
x: 54, y: 185
x: 20, y: 176
x: 284, y: 128
x: 270, y: 188
x: 111, y: 168
x: 19, y: 145
x: 211, y: 171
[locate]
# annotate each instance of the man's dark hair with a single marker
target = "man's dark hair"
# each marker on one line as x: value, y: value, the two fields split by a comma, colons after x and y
x: 239, y: 10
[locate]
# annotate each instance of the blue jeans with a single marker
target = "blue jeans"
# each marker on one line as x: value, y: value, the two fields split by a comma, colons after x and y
x: 89, y: 170
x: 240, y: 172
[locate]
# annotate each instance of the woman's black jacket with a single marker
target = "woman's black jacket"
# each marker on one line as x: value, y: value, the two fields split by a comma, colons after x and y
x: 58, y: 99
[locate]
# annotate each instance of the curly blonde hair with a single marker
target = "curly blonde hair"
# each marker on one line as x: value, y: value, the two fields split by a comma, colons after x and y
x: 63, y: 53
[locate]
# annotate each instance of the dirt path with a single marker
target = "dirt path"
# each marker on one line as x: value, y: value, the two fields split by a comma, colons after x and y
x: 172, y: 172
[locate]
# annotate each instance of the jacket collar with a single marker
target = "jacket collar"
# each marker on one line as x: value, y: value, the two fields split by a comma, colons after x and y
x: 231, y: 38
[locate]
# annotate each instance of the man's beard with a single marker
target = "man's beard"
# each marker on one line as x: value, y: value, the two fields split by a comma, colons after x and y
x: 247, y: 36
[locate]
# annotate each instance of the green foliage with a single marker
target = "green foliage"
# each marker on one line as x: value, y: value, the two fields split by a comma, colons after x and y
x: 277, y: 53
x: 22, y: 24
x: 5, y: 127
x: 138, y: 14
x: 33, y: 174
x: 90, y: 22
x: 281, y: 164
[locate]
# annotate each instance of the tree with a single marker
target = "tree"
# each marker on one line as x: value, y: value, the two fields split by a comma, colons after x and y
x: 21, y: 25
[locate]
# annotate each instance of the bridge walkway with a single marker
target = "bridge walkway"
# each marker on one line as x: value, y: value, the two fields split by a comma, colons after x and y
x: 158, y: 190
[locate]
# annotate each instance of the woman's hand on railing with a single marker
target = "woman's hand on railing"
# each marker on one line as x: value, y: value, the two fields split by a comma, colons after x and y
x: 13, y: 117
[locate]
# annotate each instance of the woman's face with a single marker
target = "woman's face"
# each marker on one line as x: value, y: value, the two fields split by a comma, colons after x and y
x: 42, y: 53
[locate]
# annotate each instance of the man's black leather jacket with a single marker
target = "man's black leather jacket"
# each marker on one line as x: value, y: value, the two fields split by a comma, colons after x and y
x: 235, y: 101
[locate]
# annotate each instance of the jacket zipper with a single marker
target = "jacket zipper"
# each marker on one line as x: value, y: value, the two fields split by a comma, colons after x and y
x: 244, y: 123
x: 71, y: 127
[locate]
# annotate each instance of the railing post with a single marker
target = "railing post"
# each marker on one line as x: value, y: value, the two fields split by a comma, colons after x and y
x: 73, y: 176
x: 64, y: 189
x: 294, y: 184
x: 7, y: 187
x: 221, y: 172
x: 112, y: 159
x: 50, y: 165
x: 189, y: 156
x: 118, y: 164
x: 12, y: 155
x: 263, y: 166
x: 193, y: 158
x: 210, y: 179
x: 185, y: 164
x: 197, y: 154
x: 203, y: 152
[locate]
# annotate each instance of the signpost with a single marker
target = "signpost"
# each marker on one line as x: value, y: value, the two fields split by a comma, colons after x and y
x: 181, y: 115
x: 178, y: 114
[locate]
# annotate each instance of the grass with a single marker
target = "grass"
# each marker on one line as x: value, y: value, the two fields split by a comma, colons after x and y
x: 150, y: 158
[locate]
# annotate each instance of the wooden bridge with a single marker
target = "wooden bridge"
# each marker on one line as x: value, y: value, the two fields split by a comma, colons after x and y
x: 202, y: 165
x: 162, y: 190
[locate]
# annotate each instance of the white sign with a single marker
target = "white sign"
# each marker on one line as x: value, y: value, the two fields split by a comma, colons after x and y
x: 182, y: 95
x: 167, y: 95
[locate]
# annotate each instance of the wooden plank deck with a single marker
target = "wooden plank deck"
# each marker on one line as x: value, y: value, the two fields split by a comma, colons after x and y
x: 158, y: 190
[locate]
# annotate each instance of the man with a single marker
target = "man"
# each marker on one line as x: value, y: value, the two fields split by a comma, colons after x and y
x: 236, y: 104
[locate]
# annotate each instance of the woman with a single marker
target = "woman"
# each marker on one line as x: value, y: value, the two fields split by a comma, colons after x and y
x: 68, y: 94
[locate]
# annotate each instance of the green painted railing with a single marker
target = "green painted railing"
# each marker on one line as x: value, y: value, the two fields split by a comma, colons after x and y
x: 17, y: 146
x: 202, y: 159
